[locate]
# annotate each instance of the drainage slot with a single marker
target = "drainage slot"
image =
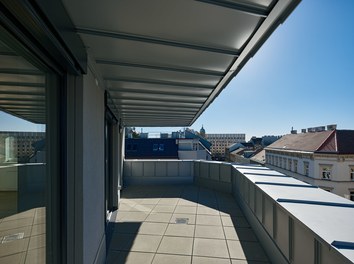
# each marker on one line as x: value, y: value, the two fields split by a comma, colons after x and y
x: 182, y: 220
x: 13, y: 237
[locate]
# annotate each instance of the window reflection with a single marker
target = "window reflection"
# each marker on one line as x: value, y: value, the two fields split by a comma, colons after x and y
x: 22, y: 159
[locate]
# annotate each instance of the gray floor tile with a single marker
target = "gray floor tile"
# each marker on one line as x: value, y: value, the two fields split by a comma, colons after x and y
x: 176, y: 245
x: 146, y: 243
x: 171, y: 259
x: 236, y: 221
x: 35, y: 256
x: 246, y: 250
x: 14, y: 259
x: 208, y: 220
x: 126, y: 207
x: 117, y: 257
x: 37, y: 242
x: 181, y: 209
x: 209, y: 260
x: 164, y: 209
x: 204, y: 231
x: 205, y: 210
x: 151, y: 228
x: 244, y: 234
x: 168, y: 201
x: 180, y: 230
x: 14, y: 247
x: 134, y: 217
x: 159, y: 217
x: 13, y: 224
x: 210, y: 248
x: 150, y: 201
x: 241, y: 261
x: 122, y: 241
x: 185, y: 202
x: 231, y: 210
x: 25, y: 230
x: 143, y: 208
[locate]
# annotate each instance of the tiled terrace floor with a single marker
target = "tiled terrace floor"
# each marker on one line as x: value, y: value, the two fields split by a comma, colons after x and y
x: 181, y: 224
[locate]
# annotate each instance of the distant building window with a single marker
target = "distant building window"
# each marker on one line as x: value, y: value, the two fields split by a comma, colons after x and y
x: 161, y: 147
x: 155, y: 147
x: 295, y: 166
x: 352, y: 173
x: 306, y: 168
x: 326, y: 172
x: 290, y: 164
x: 284, y: 163
x: 352, y: 196
x: 280, y: 162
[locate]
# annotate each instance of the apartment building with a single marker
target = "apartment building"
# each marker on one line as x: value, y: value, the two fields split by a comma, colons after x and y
x: 324, y: 159
x: 17, y: 146
x: 221, y: 141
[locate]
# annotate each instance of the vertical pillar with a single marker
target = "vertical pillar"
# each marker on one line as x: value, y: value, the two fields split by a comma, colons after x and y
x: 115, y: 165
x: 121, y: 154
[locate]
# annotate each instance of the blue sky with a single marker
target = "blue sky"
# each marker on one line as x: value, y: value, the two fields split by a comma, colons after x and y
x: 303, y: 76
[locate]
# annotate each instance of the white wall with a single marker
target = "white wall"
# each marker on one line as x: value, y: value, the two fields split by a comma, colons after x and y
x: 158, y: 171
x: 93, y: 169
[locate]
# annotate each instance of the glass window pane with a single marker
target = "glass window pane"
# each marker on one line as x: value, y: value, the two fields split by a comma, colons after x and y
x: 22, y: 159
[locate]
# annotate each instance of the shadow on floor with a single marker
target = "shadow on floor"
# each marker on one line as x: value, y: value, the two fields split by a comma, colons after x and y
x: 242, y: 243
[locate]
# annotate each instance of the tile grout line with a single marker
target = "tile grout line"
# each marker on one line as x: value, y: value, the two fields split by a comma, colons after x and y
x: 163, y: 235
x: 195, y: 226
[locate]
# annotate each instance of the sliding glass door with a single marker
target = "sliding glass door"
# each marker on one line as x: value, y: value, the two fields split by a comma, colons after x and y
x: 29, y: 155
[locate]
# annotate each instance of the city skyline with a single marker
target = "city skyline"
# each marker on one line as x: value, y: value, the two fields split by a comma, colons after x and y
x: 301, y: 77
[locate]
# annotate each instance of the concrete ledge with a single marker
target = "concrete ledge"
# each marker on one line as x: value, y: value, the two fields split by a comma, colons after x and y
x: 157, y: 180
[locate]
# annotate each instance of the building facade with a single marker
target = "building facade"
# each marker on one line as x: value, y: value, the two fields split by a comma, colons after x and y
x: 192, y: 149
x: 166, y: 148
x: 17, y: 146
x: 221, y: 141
x: 324, y: 159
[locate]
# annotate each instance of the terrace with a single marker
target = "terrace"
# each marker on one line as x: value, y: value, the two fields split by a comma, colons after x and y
x: 231, y: 214
x: 148, y: 63
x: 181, y: 224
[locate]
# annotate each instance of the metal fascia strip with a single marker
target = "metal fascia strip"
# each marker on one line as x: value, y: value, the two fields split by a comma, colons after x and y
x: 152, y: 40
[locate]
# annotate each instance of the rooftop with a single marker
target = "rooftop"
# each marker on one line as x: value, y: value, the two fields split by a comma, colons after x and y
x: 336, y: 141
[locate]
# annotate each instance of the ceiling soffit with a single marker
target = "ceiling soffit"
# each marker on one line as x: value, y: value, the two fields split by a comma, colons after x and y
x: 162, y: 61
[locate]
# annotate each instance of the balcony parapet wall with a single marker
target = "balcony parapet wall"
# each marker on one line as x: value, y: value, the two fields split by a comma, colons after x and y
x: 158, y: 172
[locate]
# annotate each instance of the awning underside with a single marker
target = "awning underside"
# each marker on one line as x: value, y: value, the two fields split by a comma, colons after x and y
x: 22, y: 87
x: 162, y: 61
